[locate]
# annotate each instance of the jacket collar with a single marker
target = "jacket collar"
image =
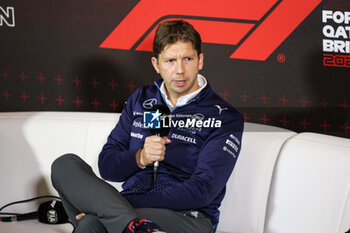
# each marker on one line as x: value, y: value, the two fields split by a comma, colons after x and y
x: 202, y: 93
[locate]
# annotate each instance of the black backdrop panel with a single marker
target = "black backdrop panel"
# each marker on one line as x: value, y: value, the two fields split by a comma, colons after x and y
x: 280, y: 62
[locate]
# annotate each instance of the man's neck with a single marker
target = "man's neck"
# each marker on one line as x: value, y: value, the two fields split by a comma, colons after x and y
x: 173, y: 97
x: 173, y: 101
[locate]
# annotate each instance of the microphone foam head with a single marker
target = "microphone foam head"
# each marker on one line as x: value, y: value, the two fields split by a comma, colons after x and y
x: 52, y: 212
x: 165, y: 112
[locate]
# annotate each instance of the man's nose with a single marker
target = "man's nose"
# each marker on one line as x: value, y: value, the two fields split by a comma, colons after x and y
x: 180, y: 67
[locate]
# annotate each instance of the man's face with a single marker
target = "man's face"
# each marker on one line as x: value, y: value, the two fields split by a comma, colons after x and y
x: 179, y: 64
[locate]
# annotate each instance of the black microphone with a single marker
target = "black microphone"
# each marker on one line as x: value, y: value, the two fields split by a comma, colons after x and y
x: 51, y: 212
x: 161, y: 132
x: 20, y: 217
x: 165, y: 112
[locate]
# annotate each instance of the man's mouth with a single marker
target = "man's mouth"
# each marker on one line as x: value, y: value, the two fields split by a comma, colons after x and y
x: 180, y: 83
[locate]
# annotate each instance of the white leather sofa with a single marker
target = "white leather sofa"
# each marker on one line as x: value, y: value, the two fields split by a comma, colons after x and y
x: 283, y: 182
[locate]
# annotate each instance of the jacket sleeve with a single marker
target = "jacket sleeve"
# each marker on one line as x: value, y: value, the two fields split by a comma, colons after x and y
x: 116, y: 161
x: 214, y: 167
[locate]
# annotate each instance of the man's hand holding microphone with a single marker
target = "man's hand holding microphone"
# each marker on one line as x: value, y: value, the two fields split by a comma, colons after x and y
x: 152, y: 151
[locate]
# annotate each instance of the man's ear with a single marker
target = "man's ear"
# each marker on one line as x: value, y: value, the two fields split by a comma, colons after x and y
x: 201, y: 61
x: 155, y: 64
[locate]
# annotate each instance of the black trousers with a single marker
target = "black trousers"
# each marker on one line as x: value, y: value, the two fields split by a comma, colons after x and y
x: 106, y: 210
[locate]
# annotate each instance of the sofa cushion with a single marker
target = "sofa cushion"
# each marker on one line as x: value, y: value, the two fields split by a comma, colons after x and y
x: 30, y: 141
x: 244, y: 206
x: 310, y: 189
x: 34, y: 226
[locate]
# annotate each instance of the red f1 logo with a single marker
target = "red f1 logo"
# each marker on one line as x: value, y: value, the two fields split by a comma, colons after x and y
x: 255, y: 27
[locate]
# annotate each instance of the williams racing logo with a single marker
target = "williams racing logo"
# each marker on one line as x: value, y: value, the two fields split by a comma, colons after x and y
x: 254, y: 28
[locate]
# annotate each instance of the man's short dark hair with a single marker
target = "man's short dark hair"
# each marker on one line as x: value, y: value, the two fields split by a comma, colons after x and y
x: 170, y: 32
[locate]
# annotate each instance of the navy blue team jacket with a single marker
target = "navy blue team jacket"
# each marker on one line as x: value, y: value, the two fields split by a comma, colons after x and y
x: 198, y: 161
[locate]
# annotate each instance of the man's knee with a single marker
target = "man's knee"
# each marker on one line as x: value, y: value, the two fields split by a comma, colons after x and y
x: 61, y: 165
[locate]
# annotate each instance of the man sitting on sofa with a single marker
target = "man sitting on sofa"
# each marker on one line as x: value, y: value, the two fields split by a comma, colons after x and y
x: 197, y: 155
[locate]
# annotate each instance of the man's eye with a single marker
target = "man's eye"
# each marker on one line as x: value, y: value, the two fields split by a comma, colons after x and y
x: 171, y: 60
x: 187, y: 59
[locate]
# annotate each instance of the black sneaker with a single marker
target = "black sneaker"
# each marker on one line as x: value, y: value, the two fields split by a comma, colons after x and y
x: 142, y: 226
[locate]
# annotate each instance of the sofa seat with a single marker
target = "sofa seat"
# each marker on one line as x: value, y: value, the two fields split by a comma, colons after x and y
x: 283, y: 181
